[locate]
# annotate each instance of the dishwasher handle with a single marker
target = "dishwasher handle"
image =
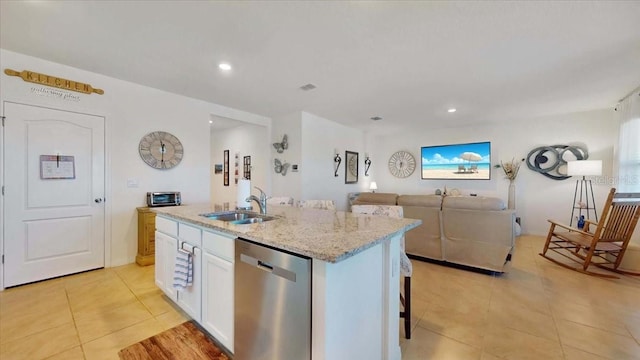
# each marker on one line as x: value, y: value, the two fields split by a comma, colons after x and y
x: 265, y: 266
x: 272, y: 269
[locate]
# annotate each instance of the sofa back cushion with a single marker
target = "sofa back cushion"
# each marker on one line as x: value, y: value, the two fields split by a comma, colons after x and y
x: 434, y: 201
x: 376, y: 199
x: 423, y: 240
x: 473, y: 203
x: 478, y: 238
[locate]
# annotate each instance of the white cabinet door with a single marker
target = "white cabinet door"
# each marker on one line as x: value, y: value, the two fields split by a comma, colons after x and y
x: 217, y: 298
x: 190, y: 299
x: 166, y: 248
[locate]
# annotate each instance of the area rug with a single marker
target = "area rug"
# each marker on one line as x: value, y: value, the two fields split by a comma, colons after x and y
x: 185, y: 341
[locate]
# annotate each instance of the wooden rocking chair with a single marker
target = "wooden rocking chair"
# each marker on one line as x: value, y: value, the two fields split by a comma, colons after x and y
x: 603, y: 247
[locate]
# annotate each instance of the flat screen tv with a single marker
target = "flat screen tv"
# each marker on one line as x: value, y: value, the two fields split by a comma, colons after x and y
x: 457, y: 161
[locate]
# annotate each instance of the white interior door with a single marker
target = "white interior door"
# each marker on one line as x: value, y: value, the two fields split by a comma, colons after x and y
x: 54, y: 193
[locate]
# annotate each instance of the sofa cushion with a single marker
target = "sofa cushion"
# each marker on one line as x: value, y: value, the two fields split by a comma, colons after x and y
x: 420, y: 200
x: 376, y: 199
x: 473, y: 203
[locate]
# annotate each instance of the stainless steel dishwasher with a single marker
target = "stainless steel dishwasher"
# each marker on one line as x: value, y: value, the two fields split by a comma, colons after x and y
x: 272, y: 304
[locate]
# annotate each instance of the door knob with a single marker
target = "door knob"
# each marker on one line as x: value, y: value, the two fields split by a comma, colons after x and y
x: 98, y: 200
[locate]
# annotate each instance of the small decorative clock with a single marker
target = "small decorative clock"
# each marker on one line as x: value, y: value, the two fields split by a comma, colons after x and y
x: 161, y: 150
x: 402, y: 164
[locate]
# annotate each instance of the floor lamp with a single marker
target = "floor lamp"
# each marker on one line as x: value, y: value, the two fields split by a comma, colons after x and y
x: 583, y: 196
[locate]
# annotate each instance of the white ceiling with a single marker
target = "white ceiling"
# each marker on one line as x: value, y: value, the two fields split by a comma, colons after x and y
x: 407, y: 62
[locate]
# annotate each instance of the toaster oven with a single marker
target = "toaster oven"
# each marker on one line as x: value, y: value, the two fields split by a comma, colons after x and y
x: 163, y: 198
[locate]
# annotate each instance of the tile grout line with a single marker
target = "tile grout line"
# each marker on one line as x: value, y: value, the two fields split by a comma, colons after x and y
x: 75, y: 326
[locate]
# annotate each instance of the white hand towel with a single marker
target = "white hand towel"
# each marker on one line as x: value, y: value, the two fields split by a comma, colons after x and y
x: 183, y: 272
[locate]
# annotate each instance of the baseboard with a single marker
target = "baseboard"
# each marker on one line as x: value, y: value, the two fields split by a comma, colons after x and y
x: 456, y: 266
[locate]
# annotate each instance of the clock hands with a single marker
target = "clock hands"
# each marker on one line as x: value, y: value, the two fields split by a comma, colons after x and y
x: 162, y: 151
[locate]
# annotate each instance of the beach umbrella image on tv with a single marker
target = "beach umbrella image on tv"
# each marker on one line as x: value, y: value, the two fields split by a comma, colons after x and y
x: 470, y: 156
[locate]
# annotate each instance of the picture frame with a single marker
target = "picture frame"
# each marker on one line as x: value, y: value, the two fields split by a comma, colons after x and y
x: 225, y: 170
x: 351, y: 167
x: 247, y: 167
x: 237, y: 170
x: 57, y: 167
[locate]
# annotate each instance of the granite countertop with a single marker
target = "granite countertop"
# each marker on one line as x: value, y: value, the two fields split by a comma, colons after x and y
x: 326, y: 235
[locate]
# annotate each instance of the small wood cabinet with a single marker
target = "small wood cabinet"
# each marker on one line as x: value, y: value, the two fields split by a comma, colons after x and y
x: 146, y: 236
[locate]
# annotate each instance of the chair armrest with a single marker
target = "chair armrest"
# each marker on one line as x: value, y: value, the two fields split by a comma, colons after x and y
x: 587, y: 223
x: 569, y: 228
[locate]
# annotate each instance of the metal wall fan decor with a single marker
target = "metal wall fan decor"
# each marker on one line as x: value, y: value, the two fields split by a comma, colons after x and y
x: 281, y: 146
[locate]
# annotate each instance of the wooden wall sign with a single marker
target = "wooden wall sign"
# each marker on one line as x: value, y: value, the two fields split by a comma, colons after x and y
x: 37, y: 78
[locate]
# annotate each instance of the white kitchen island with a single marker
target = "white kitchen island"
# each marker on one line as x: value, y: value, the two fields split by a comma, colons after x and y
x: 355, y: 273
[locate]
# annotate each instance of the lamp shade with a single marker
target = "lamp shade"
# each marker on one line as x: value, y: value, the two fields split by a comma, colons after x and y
x: 373, y: 186
x: 584, y: 167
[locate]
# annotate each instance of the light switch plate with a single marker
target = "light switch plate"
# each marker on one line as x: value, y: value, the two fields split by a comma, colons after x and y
x: 132, y: 183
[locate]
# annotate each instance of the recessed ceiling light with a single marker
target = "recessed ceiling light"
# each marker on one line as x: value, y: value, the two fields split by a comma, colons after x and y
x: 452, y: 110
x: 224, y: 66
x: 210, y: 121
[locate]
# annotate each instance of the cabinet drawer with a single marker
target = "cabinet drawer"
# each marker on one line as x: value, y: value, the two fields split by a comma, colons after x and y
x: 190, y: 234
x: 219, y: 245
x: 169, y: 227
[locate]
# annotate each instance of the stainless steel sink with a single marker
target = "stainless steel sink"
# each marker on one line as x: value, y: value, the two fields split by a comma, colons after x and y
x: 252, y: 220
x: 238, y: 217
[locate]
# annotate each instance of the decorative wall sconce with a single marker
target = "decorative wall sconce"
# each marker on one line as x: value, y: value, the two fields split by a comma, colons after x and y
x: 367, y: 164
x: 337, y: 160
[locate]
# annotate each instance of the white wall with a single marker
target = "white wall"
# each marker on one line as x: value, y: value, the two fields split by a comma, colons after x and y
x: 320, y: 138
x: 538, y: 198
x: 131, y: 111
x: 247, y: 140
x: 289, y: 184
x: 312, y: 144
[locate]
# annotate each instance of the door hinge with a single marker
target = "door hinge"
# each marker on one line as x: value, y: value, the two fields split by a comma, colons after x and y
x: 2, y: 120
x: 3, y: 258
x: 2, y: 190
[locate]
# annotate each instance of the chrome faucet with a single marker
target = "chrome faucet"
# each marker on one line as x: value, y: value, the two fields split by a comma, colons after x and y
x: 262, y: 200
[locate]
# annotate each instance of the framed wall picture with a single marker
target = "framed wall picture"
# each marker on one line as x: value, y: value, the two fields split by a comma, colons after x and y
x: 57, y: 167
x: 247, y: 167
x: 351, y: 167
x: 237, y: 171
x: 225, y: 168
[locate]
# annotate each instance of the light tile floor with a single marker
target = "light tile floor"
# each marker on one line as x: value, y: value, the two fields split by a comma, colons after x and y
x: 537, y: 310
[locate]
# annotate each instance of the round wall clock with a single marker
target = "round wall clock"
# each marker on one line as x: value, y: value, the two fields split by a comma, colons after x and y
x: 402, y: 164
x: 161, y: 150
